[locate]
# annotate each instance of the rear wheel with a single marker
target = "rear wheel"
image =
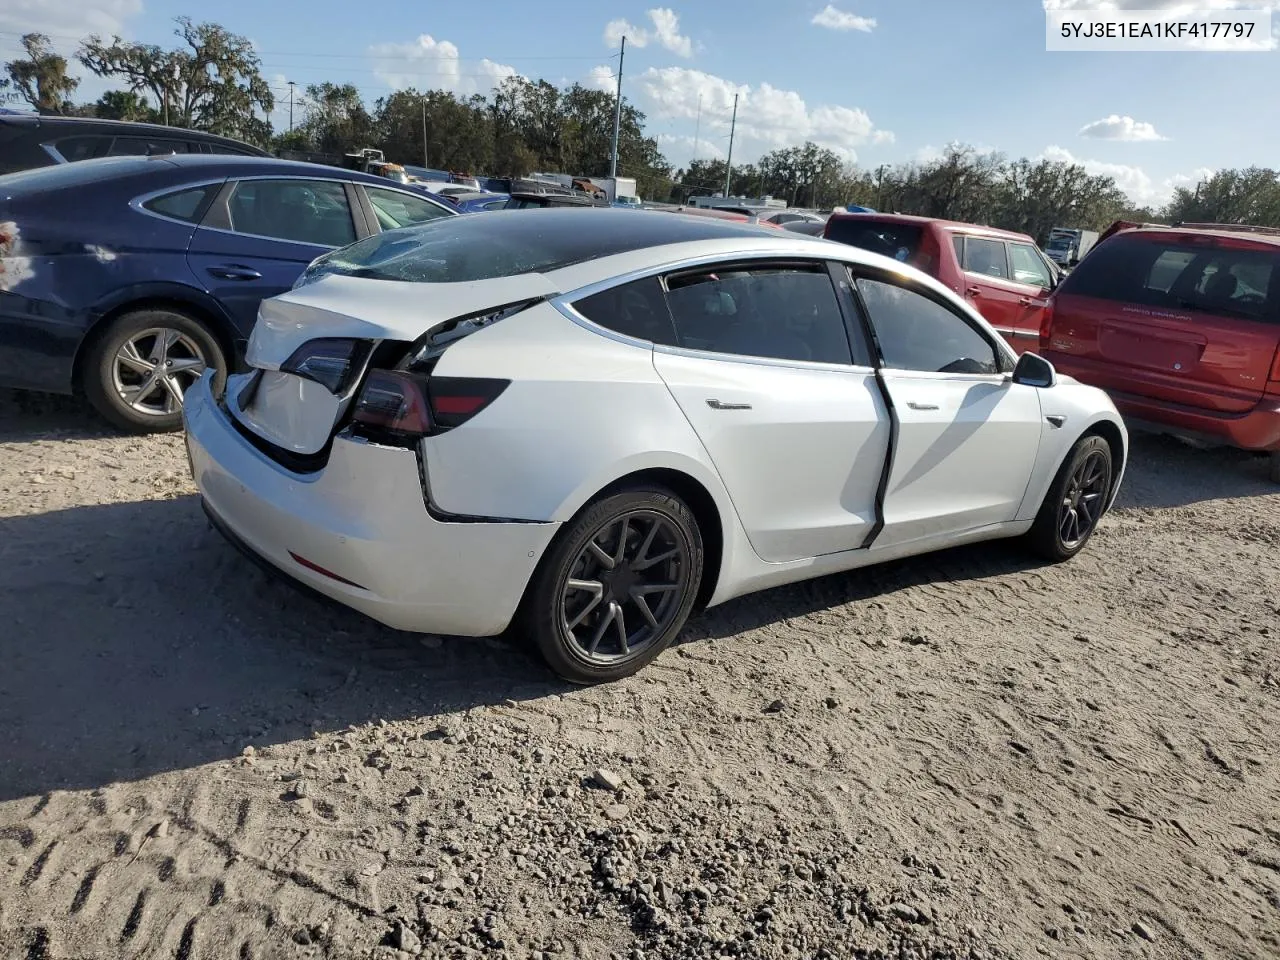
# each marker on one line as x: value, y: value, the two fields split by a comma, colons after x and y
x: 138, y: 370
x: 1075, y: 502
x: 617, y: 585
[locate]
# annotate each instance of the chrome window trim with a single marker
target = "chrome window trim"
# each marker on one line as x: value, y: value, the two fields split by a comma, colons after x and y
x: 52, y: 151
x: 564, y: 303
x: 138, y: 203
x: 284, y: 176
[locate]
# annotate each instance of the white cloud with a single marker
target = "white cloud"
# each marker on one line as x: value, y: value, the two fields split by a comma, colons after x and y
x: 430, y: 64
x: 881, y: 137
x: 603, y: 78
x: 1116, y: 127
x: 1136, y: 183
x: 62, y: 20
x: 834, y: 19
x: 665, y: 33
x: 770, y: 116
x: 698, y: 149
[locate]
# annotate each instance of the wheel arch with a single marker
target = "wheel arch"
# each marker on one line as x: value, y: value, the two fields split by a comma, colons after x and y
x: 705, y: 511
x: 195, y: 306
x: 1114, y: 435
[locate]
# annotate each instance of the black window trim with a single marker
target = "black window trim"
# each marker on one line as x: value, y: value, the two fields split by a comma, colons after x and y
x: 218, y: 216
x: 1003, y: 352
x: 370, y: 215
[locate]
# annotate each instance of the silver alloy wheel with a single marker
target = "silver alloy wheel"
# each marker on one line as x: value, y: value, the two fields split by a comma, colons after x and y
x: 154, y: 368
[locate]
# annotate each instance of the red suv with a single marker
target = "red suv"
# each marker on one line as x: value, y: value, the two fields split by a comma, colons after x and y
x: 1003, y: 274
x: 1181, y: 325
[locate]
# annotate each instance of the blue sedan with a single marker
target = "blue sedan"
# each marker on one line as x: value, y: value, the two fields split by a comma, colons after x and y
x: 125, y: 278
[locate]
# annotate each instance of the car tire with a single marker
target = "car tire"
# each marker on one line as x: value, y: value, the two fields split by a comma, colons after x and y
x: 575, y: 600
x: 1076, y: 501
x: 126, y: 355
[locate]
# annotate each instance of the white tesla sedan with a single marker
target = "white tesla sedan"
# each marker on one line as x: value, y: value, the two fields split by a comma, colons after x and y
x: 588, y: 423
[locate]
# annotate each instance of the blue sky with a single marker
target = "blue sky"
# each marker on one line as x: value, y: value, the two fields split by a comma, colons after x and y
x: 881, y: 81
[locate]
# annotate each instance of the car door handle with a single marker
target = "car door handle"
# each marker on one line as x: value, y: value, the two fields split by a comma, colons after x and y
x: 921, y: 406
x: 1025, y: 302
x: 973, y: 292
x: 231, y: 271
x: 721, y: 405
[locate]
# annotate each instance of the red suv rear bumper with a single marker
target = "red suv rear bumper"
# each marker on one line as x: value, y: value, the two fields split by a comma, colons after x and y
x: 1256, y: 429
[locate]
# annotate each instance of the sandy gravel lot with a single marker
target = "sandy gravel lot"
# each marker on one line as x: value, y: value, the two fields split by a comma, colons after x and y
x: 960, y: 756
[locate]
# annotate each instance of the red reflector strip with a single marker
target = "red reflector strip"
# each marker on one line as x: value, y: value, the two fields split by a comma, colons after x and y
x: 304, y: 562
x: 448, y: 404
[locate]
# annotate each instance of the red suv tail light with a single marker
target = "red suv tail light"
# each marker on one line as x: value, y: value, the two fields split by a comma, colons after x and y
x: 401, y: 408
x: 1273, y: 378
x: 1046, y: 325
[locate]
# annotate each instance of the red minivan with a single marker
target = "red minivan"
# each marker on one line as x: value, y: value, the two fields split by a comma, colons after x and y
x: 1003, y: 274
x: 1181, y: 325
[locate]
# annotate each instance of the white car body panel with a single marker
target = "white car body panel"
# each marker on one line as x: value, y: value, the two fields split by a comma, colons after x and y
x: 446, y: 537
x: 964, y: 451
x: 802, y: 461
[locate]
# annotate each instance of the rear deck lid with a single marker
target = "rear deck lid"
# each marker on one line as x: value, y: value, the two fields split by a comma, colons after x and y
x: 1186, y: 318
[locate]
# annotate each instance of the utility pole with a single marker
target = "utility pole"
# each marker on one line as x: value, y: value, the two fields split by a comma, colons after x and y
x: 728, y: 164
x: 291, y: 106
x: 424, y: 132
x: 697, y: 131
x: 617, y: 112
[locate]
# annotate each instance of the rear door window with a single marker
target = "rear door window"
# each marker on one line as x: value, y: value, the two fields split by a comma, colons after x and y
x: 985, y: 257
x: 85, y: 147
x: 917, y: 333
x: 395, y: 208
x: 779, y: 313
x: 303, y: 211
x: 1179, y: 274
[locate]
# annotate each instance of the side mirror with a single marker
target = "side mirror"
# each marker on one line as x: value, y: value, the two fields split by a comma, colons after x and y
x: 1032, y: 370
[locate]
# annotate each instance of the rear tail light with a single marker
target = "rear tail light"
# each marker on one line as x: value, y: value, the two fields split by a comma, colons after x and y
x: 1046, y: 325
x: 401, y: 408
x: 1274, y: 375
x: 330, y: 362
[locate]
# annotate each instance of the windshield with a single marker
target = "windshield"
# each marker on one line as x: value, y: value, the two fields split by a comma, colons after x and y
x: 898, y: 240
x: 1058, y: 243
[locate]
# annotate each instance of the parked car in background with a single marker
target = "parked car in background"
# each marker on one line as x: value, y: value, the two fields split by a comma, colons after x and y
x: 1181, y: 325
x: 479, y: 202
x: 784, y: 217
x: 126, y: 278
x: 592, y: 424
x: 813, y: 228
x: 1003, y: 274
x: 29, y: 140
x: 524, y: 201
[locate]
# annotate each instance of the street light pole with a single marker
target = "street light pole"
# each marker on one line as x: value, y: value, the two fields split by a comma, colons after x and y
x: 728, y: 165
x: 424, y: 132
x: 617, y: 112
x: 291, y: 106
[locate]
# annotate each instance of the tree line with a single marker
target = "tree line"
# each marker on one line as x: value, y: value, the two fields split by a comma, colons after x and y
x: 212, y: 80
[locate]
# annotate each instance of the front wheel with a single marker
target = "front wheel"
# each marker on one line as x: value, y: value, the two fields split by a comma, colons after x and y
x: 1075, y: 502
x: 616, y: 586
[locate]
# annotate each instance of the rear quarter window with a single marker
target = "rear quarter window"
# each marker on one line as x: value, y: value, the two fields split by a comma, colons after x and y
x: 187, y: 205
x: 1179, y: 273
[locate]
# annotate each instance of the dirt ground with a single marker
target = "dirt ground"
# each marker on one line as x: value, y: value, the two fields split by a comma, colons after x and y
x: 964, y: 755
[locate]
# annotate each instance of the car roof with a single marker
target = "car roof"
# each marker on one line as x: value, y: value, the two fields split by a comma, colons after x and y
x: 120, y: 126
x: 945, y: 224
